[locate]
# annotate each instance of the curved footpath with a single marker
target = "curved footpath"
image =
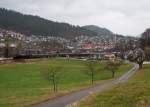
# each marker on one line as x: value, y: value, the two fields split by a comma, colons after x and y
x: 75, y: 96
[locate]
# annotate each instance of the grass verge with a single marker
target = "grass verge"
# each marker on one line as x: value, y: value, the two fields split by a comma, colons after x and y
x: 134, y: 93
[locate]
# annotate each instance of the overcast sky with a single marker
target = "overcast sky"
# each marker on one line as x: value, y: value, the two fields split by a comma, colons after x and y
x: 129, y: 17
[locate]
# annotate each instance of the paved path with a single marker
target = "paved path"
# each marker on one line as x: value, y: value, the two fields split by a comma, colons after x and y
x: 75, y: 96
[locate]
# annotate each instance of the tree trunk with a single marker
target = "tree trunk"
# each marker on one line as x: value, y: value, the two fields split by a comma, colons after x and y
x: 92, y: 78
x: 140, y: 65
x: 113, y: 74
x: 6, y: 51
x: 54, y: 85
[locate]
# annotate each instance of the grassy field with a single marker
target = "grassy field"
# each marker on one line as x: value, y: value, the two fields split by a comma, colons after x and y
x: 22, y: 84
x: 134, y: 93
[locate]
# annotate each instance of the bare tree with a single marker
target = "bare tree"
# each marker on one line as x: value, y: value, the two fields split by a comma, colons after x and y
x: 113, y: 66
x: 137, y: 55
x: 7, y: 41
x: 91, y: 70
x: 53, y: 75
x: 145, y: 43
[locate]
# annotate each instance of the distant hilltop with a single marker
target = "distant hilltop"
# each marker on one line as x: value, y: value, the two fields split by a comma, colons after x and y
x: 35, y: 25
x: 100, y: 31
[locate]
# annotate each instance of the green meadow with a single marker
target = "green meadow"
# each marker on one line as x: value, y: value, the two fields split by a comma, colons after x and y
x: 22, y: 84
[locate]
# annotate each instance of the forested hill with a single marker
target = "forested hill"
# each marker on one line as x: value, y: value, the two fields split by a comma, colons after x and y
x: 102, y: 32
x: 36, y: 25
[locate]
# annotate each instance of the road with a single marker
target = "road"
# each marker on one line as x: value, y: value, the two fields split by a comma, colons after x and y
x: 75, y: 96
